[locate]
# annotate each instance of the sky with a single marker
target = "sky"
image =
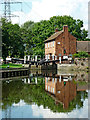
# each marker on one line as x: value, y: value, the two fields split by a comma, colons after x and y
x: 35, y: 111
x: 37, y: 10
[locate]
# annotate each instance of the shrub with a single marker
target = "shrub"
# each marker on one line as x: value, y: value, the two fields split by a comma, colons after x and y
x: 81, y: 54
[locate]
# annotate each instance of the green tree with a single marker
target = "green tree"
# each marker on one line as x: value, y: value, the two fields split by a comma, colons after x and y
x: 26, y: 35
x: 29, y: 38
x: 12, y: 44
x: 40, y: 31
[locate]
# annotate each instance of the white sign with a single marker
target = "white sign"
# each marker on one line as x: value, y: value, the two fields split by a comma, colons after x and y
x: 8, y: 59
x: 65, y: 57
x: 65, y: 79
x: 58, y: 43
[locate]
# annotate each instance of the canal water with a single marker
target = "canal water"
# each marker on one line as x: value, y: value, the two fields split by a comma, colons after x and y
x: 45, y: 94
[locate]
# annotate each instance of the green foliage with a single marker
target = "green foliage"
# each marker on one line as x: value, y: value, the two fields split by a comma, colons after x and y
x: 81, y: 54
x: 31, y: 93
x: 11, y: 65
x: 12, y: 44
x: 40, y: 31
x: 29, y: 38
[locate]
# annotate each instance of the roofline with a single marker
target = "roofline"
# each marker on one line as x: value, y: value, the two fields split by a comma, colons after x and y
x: 83, y: 41
x: 54, y: 38
x: 49, y: 40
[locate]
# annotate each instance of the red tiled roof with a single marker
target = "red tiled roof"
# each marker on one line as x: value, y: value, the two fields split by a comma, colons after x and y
x: 55, y: 35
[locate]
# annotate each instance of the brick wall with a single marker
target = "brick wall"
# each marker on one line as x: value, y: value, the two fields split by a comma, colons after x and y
x: 50, y: 49
x: 67, y: 93
x: 65, y: 41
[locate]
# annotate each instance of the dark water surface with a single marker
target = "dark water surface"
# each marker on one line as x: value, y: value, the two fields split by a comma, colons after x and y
x: 46, y: 95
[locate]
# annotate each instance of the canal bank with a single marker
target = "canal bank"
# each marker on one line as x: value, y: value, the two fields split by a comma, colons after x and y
x: 61, y: 67
x: 13, y: 72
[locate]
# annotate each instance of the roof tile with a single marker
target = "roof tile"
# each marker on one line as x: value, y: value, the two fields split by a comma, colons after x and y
x: 55, y: 35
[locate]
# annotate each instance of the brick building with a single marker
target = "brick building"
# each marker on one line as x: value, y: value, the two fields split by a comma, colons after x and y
x: 60, y: 45
x: 63, y: 93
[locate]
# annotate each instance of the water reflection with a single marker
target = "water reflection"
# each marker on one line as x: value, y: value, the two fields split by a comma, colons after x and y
x: 61, y: 88
x: 59, y: 92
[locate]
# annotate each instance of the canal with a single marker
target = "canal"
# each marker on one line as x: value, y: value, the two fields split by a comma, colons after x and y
x: 45, y: 94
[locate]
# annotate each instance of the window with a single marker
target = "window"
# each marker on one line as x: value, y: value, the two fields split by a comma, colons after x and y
x: 53, y: 80
x: 52, y: 56
x: 48, y: 45
x: 48, y: 56
x: 53, y: 90
x: 53, y: 43
x: 46, y: 80
x: 55, y: 57
x: 48, y: 88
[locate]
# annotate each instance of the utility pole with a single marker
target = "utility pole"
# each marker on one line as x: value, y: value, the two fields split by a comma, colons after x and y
x: 7, y: 9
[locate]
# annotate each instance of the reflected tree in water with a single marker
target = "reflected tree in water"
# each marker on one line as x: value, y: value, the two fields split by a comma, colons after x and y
x: 15, y: 91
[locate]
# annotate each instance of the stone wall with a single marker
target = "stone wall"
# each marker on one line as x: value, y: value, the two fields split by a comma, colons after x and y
x: 81, y: 63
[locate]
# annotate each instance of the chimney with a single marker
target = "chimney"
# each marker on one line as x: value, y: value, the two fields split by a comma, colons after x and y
x: 65, y: 28
x: 56, y: 30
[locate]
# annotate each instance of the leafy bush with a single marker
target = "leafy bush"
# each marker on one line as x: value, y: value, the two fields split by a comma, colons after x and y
x: 81, y: 54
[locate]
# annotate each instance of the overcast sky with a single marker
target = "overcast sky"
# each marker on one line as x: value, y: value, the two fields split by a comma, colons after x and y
x: 37, y: 10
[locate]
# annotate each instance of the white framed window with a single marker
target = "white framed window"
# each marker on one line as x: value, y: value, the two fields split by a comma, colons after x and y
x: 48, y: 88
x: 46, y: 57
x: 48, y: 45
x: 53, y: 43
x: 55, y: 57
x: 53, y: 80
x: 46, y: 80
x: 52, y: 56
x: 53, y: 90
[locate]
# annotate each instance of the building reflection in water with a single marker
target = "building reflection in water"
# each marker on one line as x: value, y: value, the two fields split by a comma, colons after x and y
x: 61, y: 88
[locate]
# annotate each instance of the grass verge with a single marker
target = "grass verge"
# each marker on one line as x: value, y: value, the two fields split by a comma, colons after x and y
x: 11, y: 65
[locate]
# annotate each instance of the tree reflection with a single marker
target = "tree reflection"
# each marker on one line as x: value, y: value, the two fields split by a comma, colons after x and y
x: 17, y: 90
